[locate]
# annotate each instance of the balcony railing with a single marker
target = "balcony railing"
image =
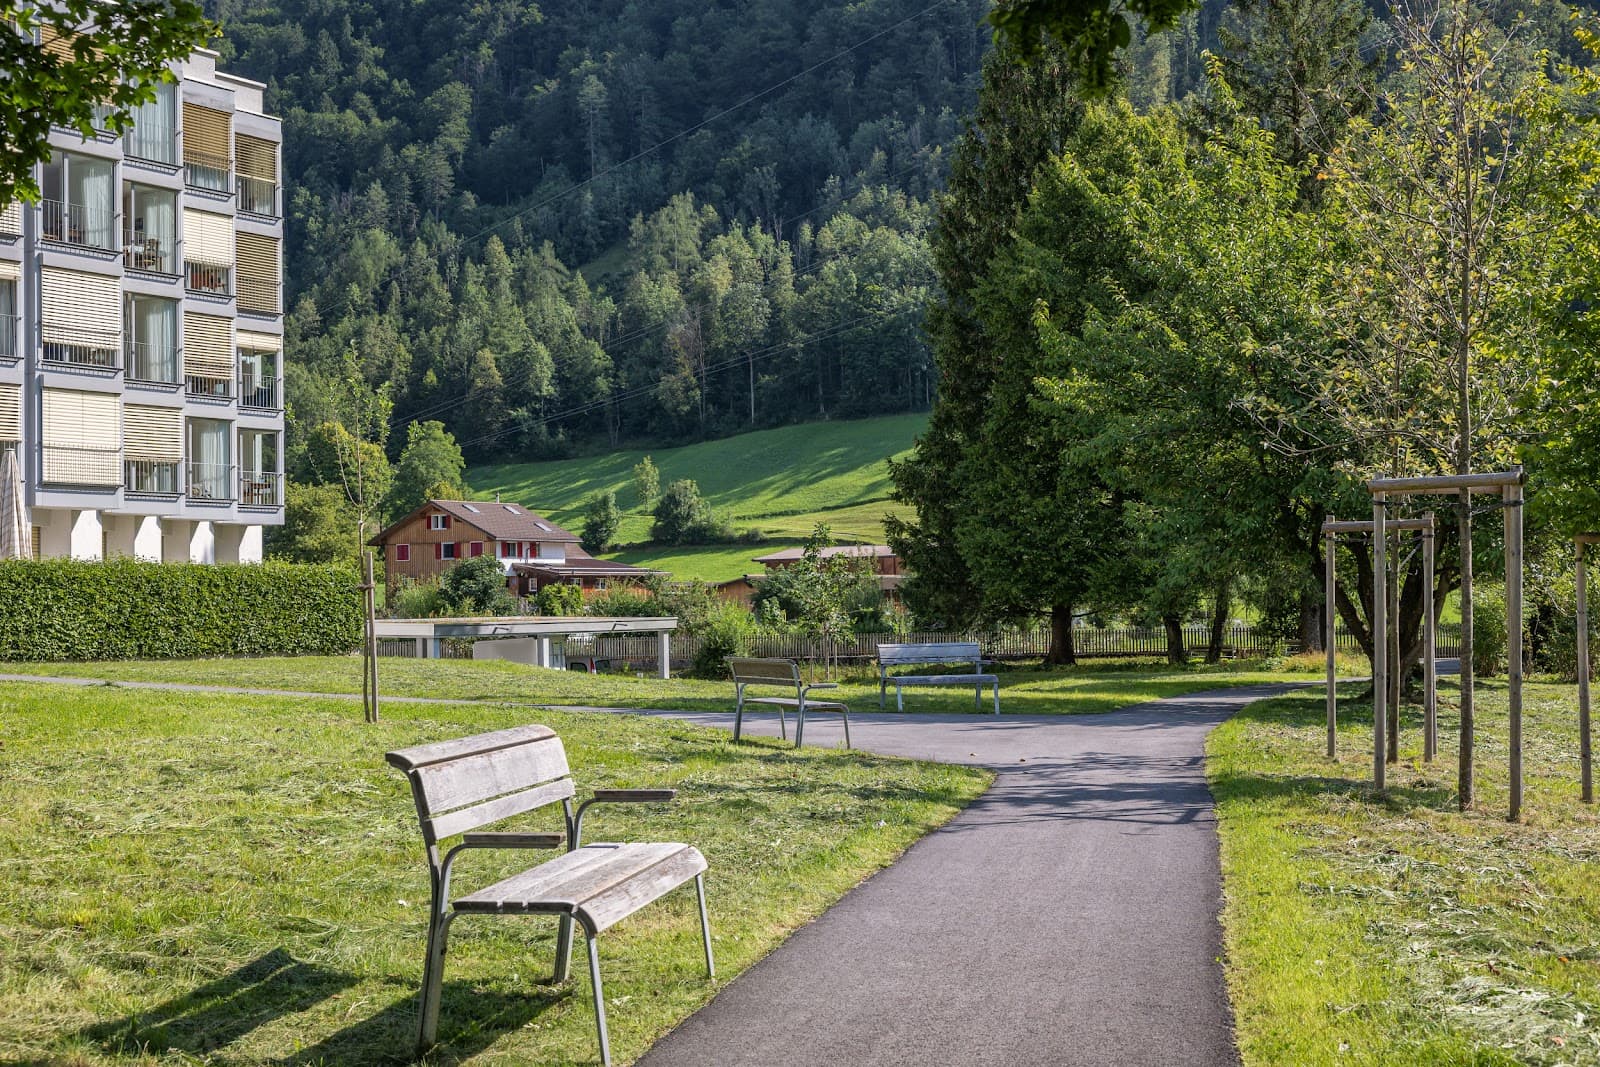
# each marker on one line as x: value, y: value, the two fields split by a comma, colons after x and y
x: 10, y: 328
x: 205, y: 385
x: 84, y: 225
x: 95, y: 349
x: 99, y: 468
x: 258, y: 296
x: 259, y: 393
x: 201, y: 170
x: 150, y: 477
x: 261, y: 489
x: 208, y: 278
x: 143, y: 251
x: 151, y: 361
x: 258, y: 196
x: 211, y: 481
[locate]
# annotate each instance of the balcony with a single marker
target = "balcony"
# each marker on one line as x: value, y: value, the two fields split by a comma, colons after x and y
x: 207, y: 172
x: 80, y: 225
x: 99, y: 350
x: 150, y: 477
x: 261, y: 489
x: 151, y: 361
x: 211, y: 482
x: 259, y: 393
x: 258, y: 196
x: 210, y: 279
x: 98, y: 468
x: 10, y: 329
x: 142, y: 251
x: 208, y: 387
x: 258, y: 297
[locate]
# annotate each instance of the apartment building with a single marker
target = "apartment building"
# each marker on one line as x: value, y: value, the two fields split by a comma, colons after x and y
x: 141, y: 330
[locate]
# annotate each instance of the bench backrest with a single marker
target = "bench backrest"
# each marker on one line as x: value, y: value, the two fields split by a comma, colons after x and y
x: 751, y: 671
x: 473, y: 781
x: 934, y: 652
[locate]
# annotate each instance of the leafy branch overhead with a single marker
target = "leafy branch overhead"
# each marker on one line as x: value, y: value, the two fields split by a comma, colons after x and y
x: 1089, y: 33
x: 116, y: 64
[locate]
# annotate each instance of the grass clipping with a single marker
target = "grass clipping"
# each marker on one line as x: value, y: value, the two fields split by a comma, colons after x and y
x: 1397, y: 930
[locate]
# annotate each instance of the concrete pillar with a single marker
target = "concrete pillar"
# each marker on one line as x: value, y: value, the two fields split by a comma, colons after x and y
x: 55, y: 532
x: 202, y: 543
x: 121, y: 531
x: 250, y: 547
x: 86, y: 535
x: 147, y: 538
x: 175, y: 540
x: 664, y: 653
x: 226, y: 537
x: 544, y: 652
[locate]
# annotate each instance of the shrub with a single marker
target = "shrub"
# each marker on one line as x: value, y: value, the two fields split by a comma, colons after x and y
x: 128, y: 609
x: 559, y: 600
x: 725, y: 632
x: 477, y: 587
x: 1489, y: 629
x: 418, y: 600
x: 600, y: 521
x: 622, y: 604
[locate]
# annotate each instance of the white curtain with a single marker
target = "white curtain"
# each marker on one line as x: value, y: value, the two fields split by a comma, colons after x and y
x: 90, y: 192
x: 155, y: 329
x: 161, y: 222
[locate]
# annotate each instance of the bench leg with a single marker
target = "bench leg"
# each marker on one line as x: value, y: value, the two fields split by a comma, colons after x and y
x: 844, y: 713
x: 563, y: 950
x: 705, y: 924
x: 432, y: 983
x: 783, y: 724
x: 738, y: 711
x: 977, y: 697
x: 599, y: 1000
x: 997, y: 698
x: 799, y: 721
x: 899, y: 698
x: 883, y: 686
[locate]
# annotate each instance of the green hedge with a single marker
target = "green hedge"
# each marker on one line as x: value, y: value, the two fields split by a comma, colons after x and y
x: 125, y: 609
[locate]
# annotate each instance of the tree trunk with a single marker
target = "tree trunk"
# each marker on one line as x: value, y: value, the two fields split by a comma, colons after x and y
x: 1312, y: 621
x: 1176, y: 652
x: 1219, y: 621
x: 1062, y: 653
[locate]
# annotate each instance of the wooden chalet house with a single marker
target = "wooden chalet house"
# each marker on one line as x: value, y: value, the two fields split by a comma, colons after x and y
x: 533, y: 551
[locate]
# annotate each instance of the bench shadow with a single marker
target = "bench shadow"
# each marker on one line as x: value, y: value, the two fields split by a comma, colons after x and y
x: 276, y: 985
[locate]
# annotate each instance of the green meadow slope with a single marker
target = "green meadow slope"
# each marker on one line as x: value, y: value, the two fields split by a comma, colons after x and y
x: 781, y: 482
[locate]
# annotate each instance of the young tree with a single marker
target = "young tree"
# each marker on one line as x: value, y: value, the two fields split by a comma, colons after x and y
x: 680, y: 515
x: 601, y: 517
x: 646, y: 484
x: 108, y: 55
x: 430, y: 466
x: 477, y: 587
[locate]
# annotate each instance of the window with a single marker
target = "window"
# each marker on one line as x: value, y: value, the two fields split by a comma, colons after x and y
x: 210, y: 470
x: 150, y: 338
x: 208, y: 354
x: 258, y: 273
x: 79, y: 201
x: 150, y: 234
x: 258, y: 468
x: 402, y: 553
x: 207, y: 139
x: 82, y: 438
x: 438, y: 522
x: 208, y: 252
x: 8, y: 316
x: 80, y: 316
x: 258, y: 175
x: 152, y: 449
x: 475, y: 549
x: 154, y: 134
x: 444, y: 550
x: 508, y: 550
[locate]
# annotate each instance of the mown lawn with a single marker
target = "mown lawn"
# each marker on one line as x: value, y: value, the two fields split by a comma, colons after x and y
x: 1092, y: 687
x: 1397, y: 931
x: 193, y: 878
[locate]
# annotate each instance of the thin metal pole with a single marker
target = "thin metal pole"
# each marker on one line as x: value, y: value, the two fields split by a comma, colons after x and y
x: 1430, y: 650
x: 1328, y: 613
x: 1513, y: 520
x: 1380, y: 640
x: 1585, y: 752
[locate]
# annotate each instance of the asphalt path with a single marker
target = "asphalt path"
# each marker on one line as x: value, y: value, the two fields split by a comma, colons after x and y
x: 1068, y: 916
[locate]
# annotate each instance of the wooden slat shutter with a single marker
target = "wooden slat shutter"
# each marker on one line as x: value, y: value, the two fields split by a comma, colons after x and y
x: 256, y: 158
x: 10, y: 270
x: 152, y: 433
x: 82, y: 435
x: 207, y: 345
x: 206, y: 131
x: 258, y: 342
x: 11, y: 219
x: 75, y: 303
x: 258, y: 272
x: 57, y: 43
x: 10, y: 411
x: 207, y: 238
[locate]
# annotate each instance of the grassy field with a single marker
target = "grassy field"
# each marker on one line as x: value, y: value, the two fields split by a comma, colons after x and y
x: 1397, y: 931
x: 781, y: 481
x: 1024, y: 690
x: 240, y: 880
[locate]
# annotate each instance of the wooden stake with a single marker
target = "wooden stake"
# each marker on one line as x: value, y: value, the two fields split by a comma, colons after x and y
x: 1430, y: 651
x: 369, y: 644
x: 1380, y: 639
x: 1585, y: 751
x: 1328, y: 612
x: 1513, y: 520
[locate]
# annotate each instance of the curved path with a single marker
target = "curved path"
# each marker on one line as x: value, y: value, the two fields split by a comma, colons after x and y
x: 1068, y: 916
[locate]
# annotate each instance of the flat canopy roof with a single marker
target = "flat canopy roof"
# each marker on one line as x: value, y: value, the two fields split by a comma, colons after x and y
x: 522, y: 626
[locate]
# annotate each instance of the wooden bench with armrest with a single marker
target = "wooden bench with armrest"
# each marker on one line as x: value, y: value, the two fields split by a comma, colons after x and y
x: 463, y: 785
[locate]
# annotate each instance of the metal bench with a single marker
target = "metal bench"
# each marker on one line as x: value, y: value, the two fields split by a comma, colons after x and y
x: 462, y: 785
x: 939, y: 652
x: 781, y: 674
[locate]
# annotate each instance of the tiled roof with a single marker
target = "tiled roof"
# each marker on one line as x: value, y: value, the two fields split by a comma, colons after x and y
x: 500, y: 522
x: 581, y: 565
x: 790, y: 555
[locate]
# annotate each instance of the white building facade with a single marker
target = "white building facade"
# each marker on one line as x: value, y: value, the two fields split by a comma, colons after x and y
x: 141, y: 330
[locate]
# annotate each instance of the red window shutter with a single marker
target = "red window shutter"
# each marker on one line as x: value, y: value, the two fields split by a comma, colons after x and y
x: 447, y: 522
x: 477, y: 548
x: 438, y: 551
x: 402, y: 553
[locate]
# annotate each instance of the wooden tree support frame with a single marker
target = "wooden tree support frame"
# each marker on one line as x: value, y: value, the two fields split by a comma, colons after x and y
x: 1425, y: 527
x: 1585, y: 745
x: 1509, y: 485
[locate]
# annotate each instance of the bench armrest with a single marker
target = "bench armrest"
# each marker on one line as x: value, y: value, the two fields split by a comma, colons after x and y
x: 818, y: 685
x: 511, y: 839
x: 616, y: 796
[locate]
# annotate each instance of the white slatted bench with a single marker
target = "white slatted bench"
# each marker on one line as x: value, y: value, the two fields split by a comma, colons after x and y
x: 462, y: 785
x: 940, y: 652
x: 781, y: 674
